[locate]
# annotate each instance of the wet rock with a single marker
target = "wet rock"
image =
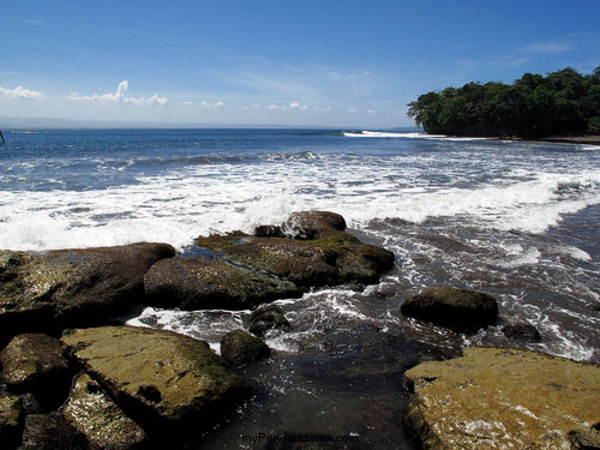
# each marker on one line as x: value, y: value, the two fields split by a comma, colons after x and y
x: 585, y: 439
x: 50, y: 432
x: 503, y: 398
x: 191, y: 385
x: 201, y: 283
x: 331, y: 257
x: 96, y: 417
x: 34, y: 361
x: 523, y: 332
x: 239, y: 349
x: 11, y: 420
x: 454, y: 308
x: 59, y: 289
x: 263, y: 319
x: 304, y: 225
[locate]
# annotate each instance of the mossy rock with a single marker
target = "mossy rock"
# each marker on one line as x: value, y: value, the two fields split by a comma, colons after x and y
x: 94, y: 415
x: 239, y: 348
x: 159, y: 378
x: 266, y: 318
x: 502, y: 398
x: 332, y: 257
x: 50, y: 291
x: 201, y: 283
x: 50, y: 432
x: 37, y: 363
x: 32, y: 359
x: 455, y: 308
x: 11, y: 420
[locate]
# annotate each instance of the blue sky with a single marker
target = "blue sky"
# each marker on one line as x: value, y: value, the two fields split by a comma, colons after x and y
x: 284, y: 62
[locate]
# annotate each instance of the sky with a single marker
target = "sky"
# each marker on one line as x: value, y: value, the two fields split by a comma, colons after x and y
x: 275, y: 62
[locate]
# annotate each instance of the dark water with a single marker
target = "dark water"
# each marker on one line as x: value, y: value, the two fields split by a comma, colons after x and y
x: 516, y: 219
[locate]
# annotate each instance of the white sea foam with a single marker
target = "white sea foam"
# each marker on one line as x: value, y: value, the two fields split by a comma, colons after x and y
x: 385, y: 134
x: 200, y: 199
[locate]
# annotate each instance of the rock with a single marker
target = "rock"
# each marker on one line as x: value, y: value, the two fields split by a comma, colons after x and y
x: 331, y: 257
x: 31, y: 359
x: 304, y: 225
x: 49, y: 432
x: 239, y: 349
x: 94, y: 415
x: 523, y: 332
x: 11, y: 420
x: 60, y: 289
x: 159, y: 378
x: 454, y: 308
x: 263, y: 319
x: 502, y: 398
x: 201, y: 283
x: 585, y: 439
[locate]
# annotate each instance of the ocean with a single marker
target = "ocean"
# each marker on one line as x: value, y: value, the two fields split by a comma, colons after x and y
x: 516, y: 219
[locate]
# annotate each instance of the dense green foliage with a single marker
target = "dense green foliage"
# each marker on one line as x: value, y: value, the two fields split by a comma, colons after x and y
x: 562, y: 103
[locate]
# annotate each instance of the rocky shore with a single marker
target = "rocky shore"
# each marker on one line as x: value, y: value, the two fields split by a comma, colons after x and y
x: 73, y: 377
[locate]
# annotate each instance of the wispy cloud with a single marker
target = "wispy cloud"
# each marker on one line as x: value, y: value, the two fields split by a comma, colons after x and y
x: 21, y: 93
x: 219, y: 103
x: 547, y: 47
x: 120, y: 96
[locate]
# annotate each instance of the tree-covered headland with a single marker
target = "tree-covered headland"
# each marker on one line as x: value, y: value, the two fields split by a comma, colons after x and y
x: 563, y: 103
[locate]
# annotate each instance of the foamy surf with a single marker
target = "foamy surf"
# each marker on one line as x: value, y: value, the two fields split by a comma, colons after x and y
x: 410, y: 135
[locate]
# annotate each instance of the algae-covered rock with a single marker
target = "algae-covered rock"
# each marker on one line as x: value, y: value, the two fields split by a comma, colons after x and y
x: 200, y: 283
x: 11, y: 419
x: 50, y: 432
x: 157, y: 377
x: 33, y: 359
x: 304, y: 225
x: 94, y: 415
x: 239, y: 348
x: 502, y: 398
x: 58, y: 289
x: 265, y: 318
x: 455, y: 308
x: 323, y: 255
x: 523, y: 332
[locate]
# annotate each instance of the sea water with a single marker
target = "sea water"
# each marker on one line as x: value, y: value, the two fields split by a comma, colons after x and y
x: 513, y: 218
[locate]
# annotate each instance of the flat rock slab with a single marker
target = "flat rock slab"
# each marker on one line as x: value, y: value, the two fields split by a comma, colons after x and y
x: 94, y: 415
x: 158, y: 377
x: 201, y: 283
x: 502, y: 398
x: 58, y: 289
x: 318, y: 253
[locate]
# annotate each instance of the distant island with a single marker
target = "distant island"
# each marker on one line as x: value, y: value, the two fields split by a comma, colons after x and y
x: 564, y: 103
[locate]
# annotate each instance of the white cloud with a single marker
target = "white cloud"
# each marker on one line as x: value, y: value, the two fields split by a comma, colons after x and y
x: 21, y: 93
x: 371, y: 111
x: 298, y: 106
x: 351, y: 110
x: 276, y: 107
x: 326, y: 108
x: 187, y: 102
x: 120, y: 96
x: 220, y: 104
